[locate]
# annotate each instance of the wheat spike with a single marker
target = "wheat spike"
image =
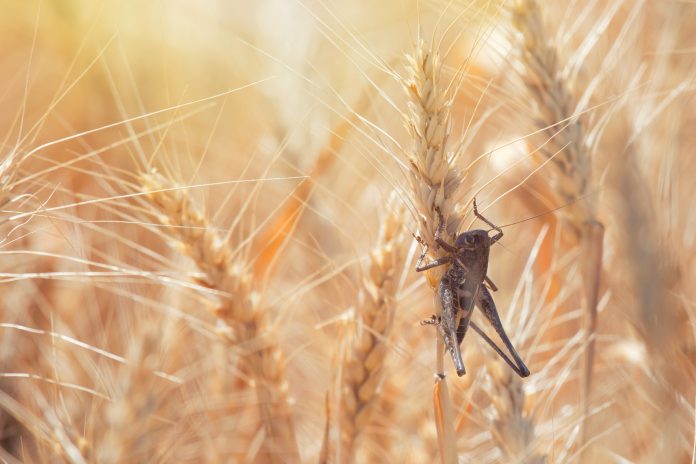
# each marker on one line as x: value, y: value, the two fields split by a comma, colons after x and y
x: 363, y: 366
x: 513, y: 427
x: 563, y: 138
x: 241, y: 318
x: 565, y: 144
x: 434, y: 178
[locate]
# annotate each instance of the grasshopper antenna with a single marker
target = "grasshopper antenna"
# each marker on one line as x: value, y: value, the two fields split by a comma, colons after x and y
x: 547, y: 212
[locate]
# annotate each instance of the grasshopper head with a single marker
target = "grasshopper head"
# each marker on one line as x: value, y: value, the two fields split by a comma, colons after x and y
x: 473, y: 239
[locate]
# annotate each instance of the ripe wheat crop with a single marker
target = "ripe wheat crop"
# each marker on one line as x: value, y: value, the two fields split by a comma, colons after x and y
x: 208, y: 224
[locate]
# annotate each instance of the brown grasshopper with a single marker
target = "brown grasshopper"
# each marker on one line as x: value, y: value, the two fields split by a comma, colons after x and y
x: 462, y: 286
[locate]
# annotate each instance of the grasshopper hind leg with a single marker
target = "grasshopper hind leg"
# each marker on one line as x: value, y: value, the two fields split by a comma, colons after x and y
x: 466, y: 307
x: 462, y: 328
x: 485, y: 302
x: 448, y: 321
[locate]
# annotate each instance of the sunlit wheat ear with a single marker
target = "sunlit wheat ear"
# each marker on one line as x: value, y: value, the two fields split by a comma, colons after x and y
x: 364, y: 364
x: 513, y: 427
x: 436, y: 183
x: 564, y: 141
x: 242, y: 321
x: 434, y: 178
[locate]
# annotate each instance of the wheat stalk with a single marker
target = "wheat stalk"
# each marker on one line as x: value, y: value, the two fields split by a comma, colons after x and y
x: 242, y: 320
x: 363, y: 366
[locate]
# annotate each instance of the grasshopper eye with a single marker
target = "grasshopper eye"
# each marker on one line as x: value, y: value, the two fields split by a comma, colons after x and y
x: 466, y: 240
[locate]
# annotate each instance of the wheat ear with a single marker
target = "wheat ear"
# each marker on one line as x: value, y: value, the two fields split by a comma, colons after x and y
x: 435, y: 185
x: 241, y: 318
x: 513, y: 427
x: 565, y: 145
x: 662, y: 320
x: 434, y: 178
x: 363, y: 366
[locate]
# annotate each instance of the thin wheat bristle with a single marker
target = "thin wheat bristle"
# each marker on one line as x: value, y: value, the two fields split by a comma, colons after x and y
x: 8, y: 175
x: 242, y: 319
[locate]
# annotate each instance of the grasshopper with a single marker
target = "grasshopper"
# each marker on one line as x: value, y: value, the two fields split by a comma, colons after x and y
x: 463, y: 286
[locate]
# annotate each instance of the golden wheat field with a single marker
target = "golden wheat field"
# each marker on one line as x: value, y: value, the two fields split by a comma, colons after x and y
x: 213, y: 211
